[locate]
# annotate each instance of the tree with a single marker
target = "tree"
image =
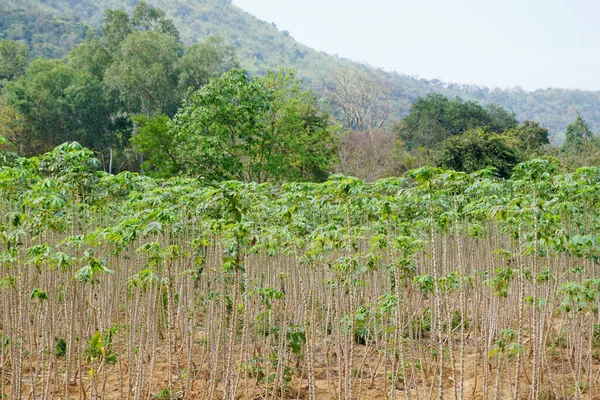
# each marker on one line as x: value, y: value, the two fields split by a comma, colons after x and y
x: 151, y: 73
x: 116, y: 28
x: 40, y: 97
x: 14, y: 57
x: 7, y: 157
x: 303, y: 139
x: 577, y: 134
x: 362, y: 99
x: 148, y: 18
x: 145, y: 74
x: 93, y: 56
x: 13, y: 126
x: 118, y: 25
x: 58, y: 104
x: 203, y: 61
x: 369, y: 156
x: 465, y: 115
x: 530, y: 137
x: 435, y: 118
x: 475, y: 150
x: 501, y: 119
x: 137, y: 66
x: 580, y: 148
x: 96, y: 117
x: 256, y: 129
x: 158, y: 144
x: 426, y: 124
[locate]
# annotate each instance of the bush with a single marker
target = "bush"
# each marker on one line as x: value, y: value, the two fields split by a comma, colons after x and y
x: 475, y: 150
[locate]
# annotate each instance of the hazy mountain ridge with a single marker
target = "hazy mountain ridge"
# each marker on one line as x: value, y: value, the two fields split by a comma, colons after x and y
x: 262, y: 46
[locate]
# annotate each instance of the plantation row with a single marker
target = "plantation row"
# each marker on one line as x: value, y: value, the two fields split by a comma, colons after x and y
x: 435, y: 285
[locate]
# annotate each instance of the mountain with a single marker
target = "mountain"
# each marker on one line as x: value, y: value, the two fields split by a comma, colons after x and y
x: 48, y: 34
x: 52, y: 27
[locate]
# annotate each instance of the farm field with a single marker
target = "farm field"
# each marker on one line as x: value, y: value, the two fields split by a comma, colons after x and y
x: 434, y: 285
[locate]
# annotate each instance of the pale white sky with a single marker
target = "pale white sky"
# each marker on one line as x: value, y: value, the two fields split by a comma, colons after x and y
x: 505, y: 43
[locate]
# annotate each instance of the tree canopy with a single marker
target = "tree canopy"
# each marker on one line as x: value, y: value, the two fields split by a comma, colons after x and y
x: 138, y: 65
x: 59, y: 103
x: 577, y: 134
x: 135, y: 70
x: 254, y: 129
x: 530, y: 137
x: 475, y: 150
x: 14, y: 57
x: 435, y: 118
x: 145, y: 74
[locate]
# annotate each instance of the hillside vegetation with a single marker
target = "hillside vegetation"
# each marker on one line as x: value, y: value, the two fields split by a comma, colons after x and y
x: 52, y: 27
x: 48, y: 34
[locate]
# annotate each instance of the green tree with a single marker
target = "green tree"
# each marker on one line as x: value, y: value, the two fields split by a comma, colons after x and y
x: 117, y: 27
x: 580, y: 148
x: 256, y: 129
x: 14, y: 57
x: 13, y: 126
x: 435, y: 118
x: 148, y: 18
x: 577, y: 134
x: 529, y: 137
x: 303, y: 139
x: 502, y: 120
x: 145, y: 73
x: 220, y: 124
x: 147, y: 66
x: 58, y: 104
x: 93, y: 56
x: 424, y: 126
x: 203, y: 61
x: 40, y: 97
x: 137, y: 66
x: 475, y: 150
x: 158, y: 144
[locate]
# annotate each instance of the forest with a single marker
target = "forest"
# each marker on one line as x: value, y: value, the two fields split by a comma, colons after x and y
x: 52, y: 28
x: 176, y: 223
x: 145, y: 101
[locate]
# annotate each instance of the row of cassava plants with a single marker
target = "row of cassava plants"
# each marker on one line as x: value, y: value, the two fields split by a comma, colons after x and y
x: 435, y: 285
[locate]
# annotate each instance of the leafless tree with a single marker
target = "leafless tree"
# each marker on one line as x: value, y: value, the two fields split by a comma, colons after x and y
x: 368, y: 156
x: 362, y: 98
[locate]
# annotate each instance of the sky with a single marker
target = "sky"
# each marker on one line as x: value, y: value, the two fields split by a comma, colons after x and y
x: 504, y: 43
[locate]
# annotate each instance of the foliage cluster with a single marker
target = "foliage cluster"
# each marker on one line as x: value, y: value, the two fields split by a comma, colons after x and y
x: 253, y: 129
x: 436, y: 118
x: 138, y: 65
x: 464, y: 136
